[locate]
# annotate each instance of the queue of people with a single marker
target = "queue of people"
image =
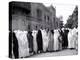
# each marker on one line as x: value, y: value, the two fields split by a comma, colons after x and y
x: 27, y: 43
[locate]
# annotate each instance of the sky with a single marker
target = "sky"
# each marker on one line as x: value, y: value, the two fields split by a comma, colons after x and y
x: 64, y: 10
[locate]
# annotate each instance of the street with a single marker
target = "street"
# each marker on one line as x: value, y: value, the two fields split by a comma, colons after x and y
x: 59, y: 53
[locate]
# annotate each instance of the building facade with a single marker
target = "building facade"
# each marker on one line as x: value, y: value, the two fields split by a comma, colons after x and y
x: 26, y: 15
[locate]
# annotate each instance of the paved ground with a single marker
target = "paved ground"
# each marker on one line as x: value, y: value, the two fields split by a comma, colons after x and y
x: 59, y: 53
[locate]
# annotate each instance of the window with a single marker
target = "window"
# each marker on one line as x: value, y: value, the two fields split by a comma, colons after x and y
x: 48, y: 18
x: 39, y: 14
x: 44, y: 17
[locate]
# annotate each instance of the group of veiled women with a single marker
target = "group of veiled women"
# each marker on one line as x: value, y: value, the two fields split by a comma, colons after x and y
x: 27, y: 43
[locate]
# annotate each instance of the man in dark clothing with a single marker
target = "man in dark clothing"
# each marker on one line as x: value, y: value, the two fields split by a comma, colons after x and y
x: 62, y: 34
x: 30, y: 40
x: 39, y: 41
x: 13, y: 41
x: 15, y: 46
x: 66, y: 38
x: 10, y: 44
x: 60, y: 39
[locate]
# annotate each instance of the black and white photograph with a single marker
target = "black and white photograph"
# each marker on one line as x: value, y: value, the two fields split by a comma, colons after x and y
x: 42, y: 30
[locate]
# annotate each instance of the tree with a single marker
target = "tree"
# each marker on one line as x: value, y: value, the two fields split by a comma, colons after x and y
x: 73, y: 19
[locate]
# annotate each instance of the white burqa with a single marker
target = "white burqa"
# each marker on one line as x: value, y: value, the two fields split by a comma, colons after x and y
x: 72, y: 38
x: 45, y: 40
x: 34, y: 33
x: 23, y: 43
x: 56, y: 41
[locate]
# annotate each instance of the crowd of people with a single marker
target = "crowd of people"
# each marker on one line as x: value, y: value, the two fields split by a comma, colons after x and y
x: 27, y: 43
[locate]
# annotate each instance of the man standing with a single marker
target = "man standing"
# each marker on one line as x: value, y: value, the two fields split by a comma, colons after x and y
x: 15, y: 46
x: 30, y: 40
x: 39, y: 41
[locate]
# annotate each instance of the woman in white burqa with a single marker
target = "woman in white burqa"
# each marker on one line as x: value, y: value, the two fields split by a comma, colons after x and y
x: 23, y: 43
x: 44, y: 39
x: 56, y: 41
x: 72, y: 38
x: 51, y: 41
x: 34, y: 33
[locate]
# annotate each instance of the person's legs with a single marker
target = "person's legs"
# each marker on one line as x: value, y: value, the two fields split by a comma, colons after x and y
x: 10, y: 52
x: 15, y: 52
x: 10, y: 45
